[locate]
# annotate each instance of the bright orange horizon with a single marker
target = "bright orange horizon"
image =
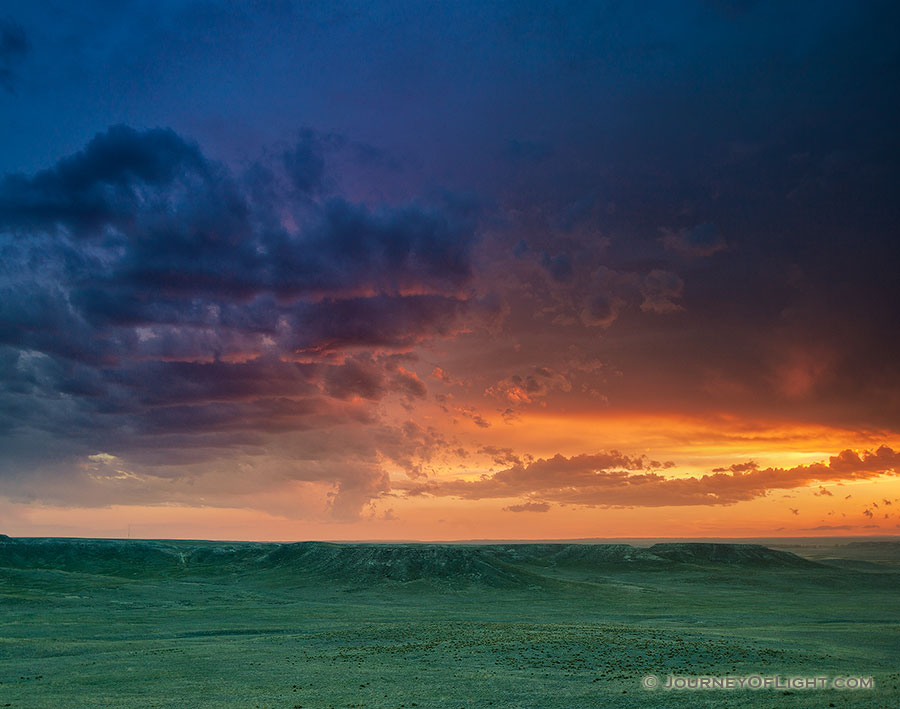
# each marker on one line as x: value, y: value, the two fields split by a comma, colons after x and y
x: 428, y: 505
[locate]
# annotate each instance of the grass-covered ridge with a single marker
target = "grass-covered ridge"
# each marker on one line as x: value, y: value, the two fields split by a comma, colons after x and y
x: 138, y: 623
x: 502, y: 565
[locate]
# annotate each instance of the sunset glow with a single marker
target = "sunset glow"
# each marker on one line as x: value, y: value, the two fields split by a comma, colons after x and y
x: 592, y: 286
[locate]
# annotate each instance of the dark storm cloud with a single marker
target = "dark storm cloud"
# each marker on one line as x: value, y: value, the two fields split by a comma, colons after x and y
x: 156, y: 294
x: 102, y: 184
x: 349, y: 250
x: 203, y: 382
x: 612, y: 479
x: 174, y: 239
x: 722, y: 184
x: 358, y: 376
x: 168, y: 222
x: 378, y: 321
x: 267, y: 415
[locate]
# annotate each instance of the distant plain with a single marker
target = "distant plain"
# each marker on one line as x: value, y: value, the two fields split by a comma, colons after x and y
x: 128, y: 623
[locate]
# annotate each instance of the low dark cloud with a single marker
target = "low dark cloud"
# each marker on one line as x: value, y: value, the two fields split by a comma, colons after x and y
x: 141, y: 230
x: 528, y: 507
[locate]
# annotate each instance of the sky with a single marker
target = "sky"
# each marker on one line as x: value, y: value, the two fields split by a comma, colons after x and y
x: 453, y: 270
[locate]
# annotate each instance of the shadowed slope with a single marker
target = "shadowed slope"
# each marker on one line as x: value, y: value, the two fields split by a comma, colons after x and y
x: 576, y: 555
x: 359, y: 565
x: 91, y: 556
x: 887, y: 552
x: 754, y: 555
x: 372, y: 563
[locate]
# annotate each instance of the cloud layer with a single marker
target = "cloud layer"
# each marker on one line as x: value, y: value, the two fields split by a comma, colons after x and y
x: 615, y: 480
x: 315, y: 259
x: 149, y: 294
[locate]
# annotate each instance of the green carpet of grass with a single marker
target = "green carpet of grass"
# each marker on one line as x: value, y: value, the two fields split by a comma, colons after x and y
x: 239, y: 627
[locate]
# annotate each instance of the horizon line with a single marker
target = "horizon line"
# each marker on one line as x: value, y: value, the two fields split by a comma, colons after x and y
x: 480, y: 541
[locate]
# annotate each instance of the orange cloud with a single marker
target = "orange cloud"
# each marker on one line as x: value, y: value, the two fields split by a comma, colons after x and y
x: 613, y: 479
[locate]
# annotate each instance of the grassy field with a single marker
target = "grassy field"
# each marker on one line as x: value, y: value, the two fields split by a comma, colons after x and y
x: 195, y: 624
